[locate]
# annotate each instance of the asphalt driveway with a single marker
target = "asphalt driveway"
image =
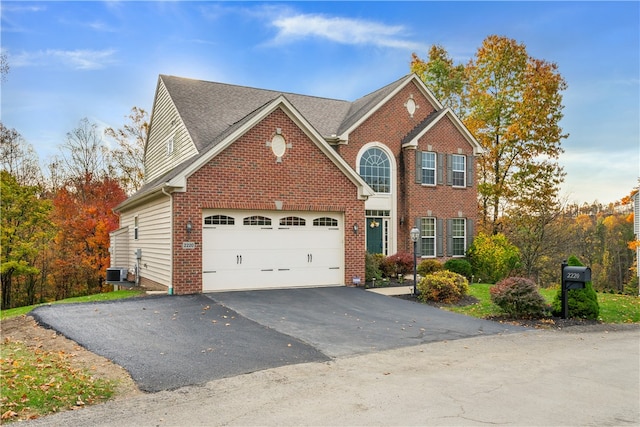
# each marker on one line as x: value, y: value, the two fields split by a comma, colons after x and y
x: 168, y: 342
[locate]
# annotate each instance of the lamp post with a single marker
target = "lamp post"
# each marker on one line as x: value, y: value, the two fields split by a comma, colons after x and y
x: 415, y: 234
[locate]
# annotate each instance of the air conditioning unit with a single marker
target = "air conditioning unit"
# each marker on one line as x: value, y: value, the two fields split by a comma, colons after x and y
x: 116, y: 274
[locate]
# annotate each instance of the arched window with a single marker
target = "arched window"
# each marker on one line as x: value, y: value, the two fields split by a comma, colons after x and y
x: 375, y: 169
x: 219, y: 220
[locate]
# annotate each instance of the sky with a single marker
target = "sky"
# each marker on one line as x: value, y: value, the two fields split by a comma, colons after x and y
x: 97, y: 60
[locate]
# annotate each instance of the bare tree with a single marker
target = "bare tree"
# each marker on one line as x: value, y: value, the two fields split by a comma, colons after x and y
x: 18, y: 157
x: 83, y: 153
x: 127, y: 160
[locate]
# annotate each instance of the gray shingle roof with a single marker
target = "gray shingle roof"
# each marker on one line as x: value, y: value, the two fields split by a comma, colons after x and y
x: 208, y: 109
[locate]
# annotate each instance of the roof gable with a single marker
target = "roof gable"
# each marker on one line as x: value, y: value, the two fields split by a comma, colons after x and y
x: 411, y: 140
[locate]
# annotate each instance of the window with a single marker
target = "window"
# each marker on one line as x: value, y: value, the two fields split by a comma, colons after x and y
x: 256, y: 220
x: 293, y: 220
x: 458, y: 167
x: 219, y: 220
x: 375, y: 169
x: 135, y: 228
x: 459, y: 238
x: 428, y: 237
x: 428, y: 168
x: 325, y: 222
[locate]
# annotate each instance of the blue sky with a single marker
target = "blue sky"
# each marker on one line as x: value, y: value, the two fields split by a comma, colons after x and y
x: 71, y: 60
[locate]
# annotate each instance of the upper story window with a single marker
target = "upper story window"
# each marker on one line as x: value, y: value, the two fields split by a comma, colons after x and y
x: 428, y: 167
x: 458, y: 167
x: 375, y: 169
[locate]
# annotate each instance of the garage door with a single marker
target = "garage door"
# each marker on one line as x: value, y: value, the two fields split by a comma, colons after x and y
x: 271, y: 249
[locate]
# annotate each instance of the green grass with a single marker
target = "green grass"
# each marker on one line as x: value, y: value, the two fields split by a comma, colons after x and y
x: 36, y: 382
x: 19, y: 311
x: 613, y: 308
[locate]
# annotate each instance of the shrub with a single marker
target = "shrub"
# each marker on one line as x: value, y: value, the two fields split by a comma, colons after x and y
x: 460, y: 266
x: 400, y: 263
x: 519, y: 297
x: 429, y: 266
x: 493, y: 257
x: 372, y: 267
x: 582, y: 303
x: 443, y: 286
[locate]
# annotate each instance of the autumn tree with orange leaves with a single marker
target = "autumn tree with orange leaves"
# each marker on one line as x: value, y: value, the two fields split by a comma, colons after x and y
x: 512, y: 104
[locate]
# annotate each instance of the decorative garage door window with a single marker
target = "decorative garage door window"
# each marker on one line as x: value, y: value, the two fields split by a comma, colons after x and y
x: 293, y: 221
x: 325, y: 221
x: 375, y: 169
x: 256, y: 220
x: 219, y: 220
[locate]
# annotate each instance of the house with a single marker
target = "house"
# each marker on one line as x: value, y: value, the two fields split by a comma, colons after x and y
x: 251, y: 188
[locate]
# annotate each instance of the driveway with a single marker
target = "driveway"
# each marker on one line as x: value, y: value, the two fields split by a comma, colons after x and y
x: 168, y: 342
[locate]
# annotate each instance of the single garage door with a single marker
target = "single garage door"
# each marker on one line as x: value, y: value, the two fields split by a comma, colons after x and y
x: 271, y: 249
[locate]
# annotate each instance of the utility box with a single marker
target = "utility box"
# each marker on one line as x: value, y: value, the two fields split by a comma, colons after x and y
x: 576, y: 277
x: 117, y: 274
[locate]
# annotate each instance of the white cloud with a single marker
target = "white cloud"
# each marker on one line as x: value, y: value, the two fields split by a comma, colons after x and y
x: 79, y: 59
x: 342, y: 30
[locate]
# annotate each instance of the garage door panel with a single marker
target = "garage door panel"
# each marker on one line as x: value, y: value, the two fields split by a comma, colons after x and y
x: 293, y: 252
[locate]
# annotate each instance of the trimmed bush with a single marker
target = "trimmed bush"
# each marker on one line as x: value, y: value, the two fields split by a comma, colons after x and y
x: 443, y: 286
x: 460, y: 266
x: 400, y: 263
x: 429, y: 266
x: 519, y: 297
x: 582, y: 303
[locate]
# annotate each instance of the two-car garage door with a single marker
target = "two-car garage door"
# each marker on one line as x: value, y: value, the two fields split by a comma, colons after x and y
x: 271, y: 249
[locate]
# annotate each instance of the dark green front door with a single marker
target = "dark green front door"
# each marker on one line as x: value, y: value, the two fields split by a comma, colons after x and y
x: 374, y: 235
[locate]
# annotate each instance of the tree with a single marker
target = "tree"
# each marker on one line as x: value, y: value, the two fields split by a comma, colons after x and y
x: 18, y: 158
x: 493, y: 257
x: 25, y: 223
x: 127, y: 161
x: 83, y: 154
x: 85, y: 218
x: 512, y: 104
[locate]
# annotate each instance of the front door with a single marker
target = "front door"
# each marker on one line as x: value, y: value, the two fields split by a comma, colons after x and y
x: 374, y: 235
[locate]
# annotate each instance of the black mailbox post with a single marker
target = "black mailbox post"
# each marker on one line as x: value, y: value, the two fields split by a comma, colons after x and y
x: 573, y: 277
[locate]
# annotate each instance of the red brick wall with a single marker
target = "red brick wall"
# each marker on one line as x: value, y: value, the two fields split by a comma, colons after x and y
x: 246, y: 176
x: 389, y: 125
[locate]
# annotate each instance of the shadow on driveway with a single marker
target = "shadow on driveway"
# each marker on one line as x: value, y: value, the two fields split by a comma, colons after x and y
x: 168, y: 342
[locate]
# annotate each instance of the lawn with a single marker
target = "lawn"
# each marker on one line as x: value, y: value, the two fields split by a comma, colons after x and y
x: 19, y: 311
x: 613, y: 308
x: 37, y: 382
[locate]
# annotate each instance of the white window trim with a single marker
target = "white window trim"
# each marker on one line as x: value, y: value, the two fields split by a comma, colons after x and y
x: 435, y: 169
x: 463, y: 237
x: 464, y: 171
x: 434, y: 237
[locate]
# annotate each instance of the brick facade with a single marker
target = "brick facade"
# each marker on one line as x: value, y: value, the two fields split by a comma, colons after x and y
x: 246, y: 176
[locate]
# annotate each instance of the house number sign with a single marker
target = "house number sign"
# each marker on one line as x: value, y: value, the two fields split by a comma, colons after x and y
x: 188, y: 245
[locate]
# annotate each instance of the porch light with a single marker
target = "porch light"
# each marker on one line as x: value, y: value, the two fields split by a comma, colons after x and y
x: 189, y: 227
x: 355, y: 228
x: 415, y: 235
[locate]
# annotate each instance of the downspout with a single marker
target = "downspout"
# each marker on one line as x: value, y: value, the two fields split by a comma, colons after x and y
x: 170, y: 290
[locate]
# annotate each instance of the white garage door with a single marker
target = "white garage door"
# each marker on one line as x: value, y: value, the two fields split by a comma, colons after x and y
x: 271, y: 249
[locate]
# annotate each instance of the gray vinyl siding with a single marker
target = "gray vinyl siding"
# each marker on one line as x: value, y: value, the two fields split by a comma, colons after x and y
x: 156, y: 161
x: 154, y: 239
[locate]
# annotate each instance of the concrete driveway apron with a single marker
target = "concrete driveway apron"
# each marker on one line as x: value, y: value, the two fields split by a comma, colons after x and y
x: 343, y: 321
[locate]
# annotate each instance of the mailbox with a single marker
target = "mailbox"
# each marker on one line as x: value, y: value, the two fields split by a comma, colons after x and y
x: 575, y: 277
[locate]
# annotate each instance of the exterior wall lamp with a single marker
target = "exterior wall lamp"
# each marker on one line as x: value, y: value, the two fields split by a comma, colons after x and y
x: 355, y: 228
x: 189, y: 227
